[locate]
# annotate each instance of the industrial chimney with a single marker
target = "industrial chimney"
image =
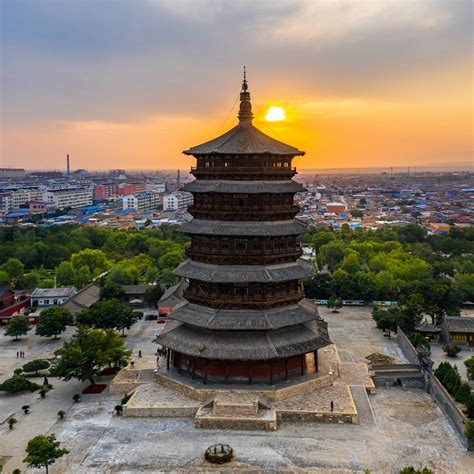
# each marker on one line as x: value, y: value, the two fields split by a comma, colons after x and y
x: 67, y: 164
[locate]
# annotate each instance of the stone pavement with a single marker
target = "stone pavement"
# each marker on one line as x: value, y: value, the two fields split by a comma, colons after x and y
x: 43, y: 417
x: 410, y: 430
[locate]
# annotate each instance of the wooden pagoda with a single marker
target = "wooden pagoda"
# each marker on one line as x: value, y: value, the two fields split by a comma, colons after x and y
x: 244, y: 318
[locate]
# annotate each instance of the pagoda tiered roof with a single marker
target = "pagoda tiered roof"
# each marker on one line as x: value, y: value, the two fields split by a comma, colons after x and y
x: 231, y: 319
x: 244, y: 139
x: 248, y: 187
x: 244, y: 273
x: 246, y: 345
x: 243, y: 228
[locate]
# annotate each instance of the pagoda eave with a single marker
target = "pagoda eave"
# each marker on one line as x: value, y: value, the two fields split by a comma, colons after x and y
x: 246, y: 345
x: 238, y: 320
x: 244, y: 273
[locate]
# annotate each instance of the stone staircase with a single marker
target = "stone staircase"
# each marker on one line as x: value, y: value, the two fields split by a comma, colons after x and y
x: 238, y: 411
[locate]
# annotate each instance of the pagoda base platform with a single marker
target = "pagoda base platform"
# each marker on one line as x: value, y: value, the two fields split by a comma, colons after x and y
x: 256, y: 407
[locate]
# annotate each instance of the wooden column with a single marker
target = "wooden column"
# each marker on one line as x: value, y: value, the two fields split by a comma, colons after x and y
x: 316, y: 368
x: 205, y: 371
x: 193, y: 373
x: 302, y: 364
x: 286, y: 369
x: 250, y: 373
x: 180, y: 356
x: 226, y: 372
x: 271, y: 372
x: 168, y: 359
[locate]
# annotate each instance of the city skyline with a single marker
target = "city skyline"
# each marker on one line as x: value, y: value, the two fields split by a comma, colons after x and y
x: 362, y: 84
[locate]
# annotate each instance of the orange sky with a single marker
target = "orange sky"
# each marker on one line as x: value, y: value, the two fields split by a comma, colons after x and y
x: 359, y: 99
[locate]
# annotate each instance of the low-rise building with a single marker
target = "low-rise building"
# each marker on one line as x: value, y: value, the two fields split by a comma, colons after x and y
x: 458, y: 329
x: 68, y: 197
x: 175, y: 201
x: 143, y: 201
x: 45, y: 297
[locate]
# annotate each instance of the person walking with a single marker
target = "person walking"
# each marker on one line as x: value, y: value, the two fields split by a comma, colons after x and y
x: 332, y: 406
x: 17, y: 354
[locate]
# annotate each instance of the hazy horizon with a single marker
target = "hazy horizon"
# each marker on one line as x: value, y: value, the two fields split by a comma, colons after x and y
x: 134, y: 85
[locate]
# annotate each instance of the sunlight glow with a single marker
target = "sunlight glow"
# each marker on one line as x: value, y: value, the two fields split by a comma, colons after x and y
x: 275, y: 114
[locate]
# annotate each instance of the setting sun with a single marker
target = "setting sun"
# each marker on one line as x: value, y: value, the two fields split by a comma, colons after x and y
x: 275, y: 114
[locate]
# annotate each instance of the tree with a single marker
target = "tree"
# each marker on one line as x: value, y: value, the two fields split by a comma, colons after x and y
x: 53, y: 321
x: 65, y: 274
x: 335, y: 303
x: 469, y: 432
x: 112, y: 291
x: 14, y: 269
x: 18, y: 326
x: 153, y: 294
x: 88, y: 352
x: 387, y: 320
x: 469, y: 363
x: 18, y: 383
x: 83, y: 277
x: 463, y: 393
x: 31, y: 280
x: 451, y: 350
x: 35, y: 365
x: 43, y: 450
x: 94, y: 259
x: 108, y: 314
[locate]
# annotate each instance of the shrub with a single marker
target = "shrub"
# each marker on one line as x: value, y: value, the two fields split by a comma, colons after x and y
x: 26, y: 409
x: 18, y: 383
x: 126, y: 398
x: 469, y: 432
x: 420, y: 341
x: 219, y: 453
x: 451, y: 350
x: 36, y: 365
x: 18, y: 371
x: 470, y: 406
x: 463, y: 393
x: 61, y: 414
x: 76, y: 397
x: 469, y: 363
x: 43, y: 393
x: 11, y: 422
x: 412, y: 470
x: 118, y: 409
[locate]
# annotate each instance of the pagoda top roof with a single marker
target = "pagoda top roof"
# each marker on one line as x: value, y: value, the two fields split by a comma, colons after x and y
x: 244, y: 138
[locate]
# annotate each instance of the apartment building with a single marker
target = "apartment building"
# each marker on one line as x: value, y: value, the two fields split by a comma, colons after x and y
x: 175, y: 201
x: 12, y: 198
x: 142, y: 201
x: 68, y: 197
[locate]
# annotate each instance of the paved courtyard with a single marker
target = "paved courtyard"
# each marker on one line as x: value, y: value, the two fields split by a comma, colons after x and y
x: 397, y: 428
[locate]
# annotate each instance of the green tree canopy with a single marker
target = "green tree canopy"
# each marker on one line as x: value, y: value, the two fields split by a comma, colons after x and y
x: 18, y: 326
x: 35, y: 365
x: 153, y: 294
x: 42, y: 451
x: 53, y: 321
x: 14, y: 268
x: 65, y: 274
x: 95, y: 260
x: 107, y: 314
x: 88, y: 352
x: 18, y: 383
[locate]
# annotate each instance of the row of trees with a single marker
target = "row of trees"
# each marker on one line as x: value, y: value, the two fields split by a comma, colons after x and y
x: 73, y: 255
x: 402, y: 264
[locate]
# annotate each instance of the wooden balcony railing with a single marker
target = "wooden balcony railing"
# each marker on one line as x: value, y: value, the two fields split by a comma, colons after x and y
x: 254, y: 172
x: 238, y: 302
x: 243, y: 257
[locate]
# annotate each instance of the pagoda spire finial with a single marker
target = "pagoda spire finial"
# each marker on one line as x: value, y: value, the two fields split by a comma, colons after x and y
x: 245, y: 110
